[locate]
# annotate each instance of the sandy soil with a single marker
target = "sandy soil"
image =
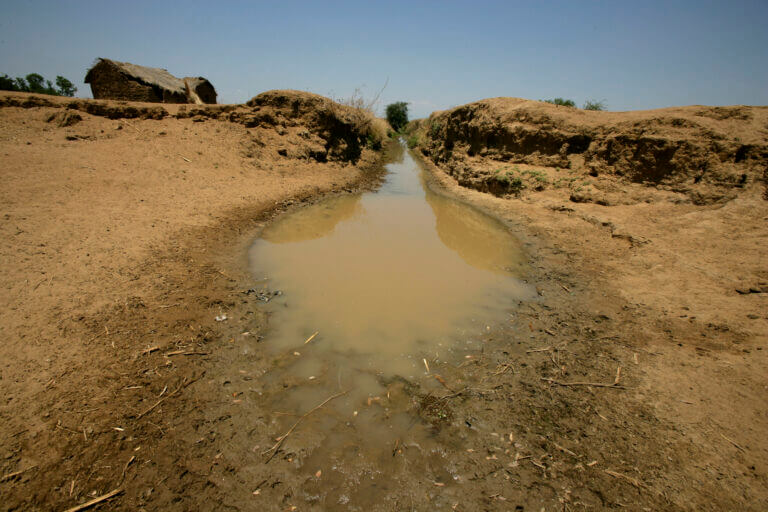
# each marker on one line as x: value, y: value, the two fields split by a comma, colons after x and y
x: 122, y: 240
x: 124, y: 235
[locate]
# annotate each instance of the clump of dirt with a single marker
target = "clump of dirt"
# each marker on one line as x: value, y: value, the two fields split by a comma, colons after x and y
x: 706, y: 153
x: 66, y: 118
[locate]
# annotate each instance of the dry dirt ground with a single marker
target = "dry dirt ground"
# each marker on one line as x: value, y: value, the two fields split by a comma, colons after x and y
x: 124, y: 234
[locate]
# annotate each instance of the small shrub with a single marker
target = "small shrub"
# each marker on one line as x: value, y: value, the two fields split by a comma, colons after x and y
x: 594, y: 105
x: 413, y: 141
x: 434, y: 130
x: 561, y: 102
x: 372, y: 142
x: 514, y: 183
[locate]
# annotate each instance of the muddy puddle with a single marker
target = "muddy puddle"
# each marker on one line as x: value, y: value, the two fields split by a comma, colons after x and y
x: 386, y: 286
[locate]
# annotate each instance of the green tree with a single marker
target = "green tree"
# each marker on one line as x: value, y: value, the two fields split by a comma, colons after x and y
x: 21, y: 84
x: 397, y: 115
x: 7, y: 83
x: 35, y: 83
x: 66, y: 88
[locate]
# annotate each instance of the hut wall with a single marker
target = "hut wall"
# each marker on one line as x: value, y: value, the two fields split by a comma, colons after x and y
x: 110, y: 84
x: 206, y: 92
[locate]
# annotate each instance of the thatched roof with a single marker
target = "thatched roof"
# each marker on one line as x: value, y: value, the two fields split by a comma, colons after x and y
x: 144, y: 74
x: 157, y: 77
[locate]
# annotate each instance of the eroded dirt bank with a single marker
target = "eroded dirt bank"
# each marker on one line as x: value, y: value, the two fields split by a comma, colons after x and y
x: 122, y: 235
x: 666, y: 249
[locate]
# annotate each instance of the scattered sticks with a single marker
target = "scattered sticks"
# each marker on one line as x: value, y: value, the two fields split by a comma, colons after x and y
x: 283, y: 437
x: 95, y: 501
x: 184, y: 384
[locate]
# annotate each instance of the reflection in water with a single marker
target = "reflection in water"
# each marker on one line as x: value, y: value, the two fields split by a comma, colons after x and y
x: 314, y: 221
x: 479, y: 240
x: 387, y: 278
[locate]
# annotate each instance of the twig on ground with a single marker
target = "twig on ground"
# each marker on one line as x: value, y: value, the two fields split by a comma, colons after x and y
x: 732, y: 442
x: 283, y: 437
x: 169, y: 306
x: 545, y: 349
x: 184, y: 158
x: 13, y: 475
x: 147, y: 411
x: 593, y: 384
x: 312, y: 337
x: 62, y: 427
x: 125, y: 468
x: 442, y: 381
x: 618, y: 376
x: 457, y: 393
x: 565, y: 450
x: 634, y: 481
x: 549, y: 332
x: 185, y: 353
x: 95, y: 501
x: 132, y: 126
x: 150, y: 350
x: 184, y: 384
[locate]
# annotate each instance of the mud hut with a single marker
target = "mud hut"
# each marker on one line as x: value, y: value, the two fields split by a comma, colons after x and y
x: 113, y: 80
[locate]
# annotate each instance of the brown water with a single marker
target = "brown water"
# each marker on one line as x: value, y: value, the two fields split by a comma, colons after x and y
x: 391, y: 281
x: 386, y: 279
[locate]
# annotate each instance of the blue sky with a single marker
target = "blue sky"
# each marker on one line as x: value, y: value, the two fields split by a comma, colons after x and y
x: 633, y: 55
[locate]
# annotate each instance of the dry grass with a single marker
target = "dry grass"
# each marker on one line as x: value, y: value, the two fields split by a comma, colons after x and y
x: 363, y: 114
